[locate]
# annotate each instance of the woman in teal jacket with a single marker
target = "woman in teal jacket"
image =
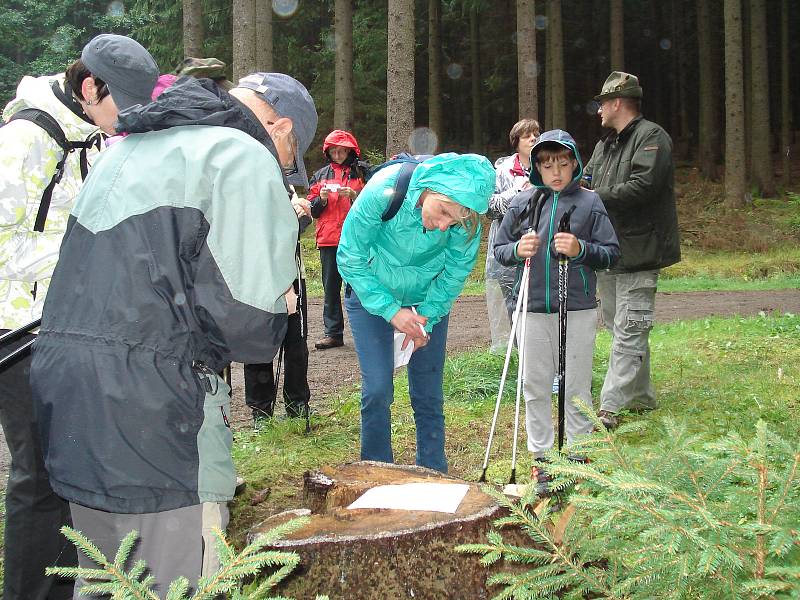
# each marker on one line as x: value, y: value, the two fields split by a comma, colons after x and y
x: 404, y: 274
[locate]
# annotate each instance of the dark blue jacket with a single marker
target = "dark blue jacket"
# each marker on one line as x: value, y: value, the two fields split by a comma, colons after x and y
x: 589, y: 223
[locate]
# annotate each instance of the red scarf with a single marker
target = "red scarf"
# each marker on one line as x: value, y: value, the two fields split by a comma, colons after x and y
x: 518, y: 170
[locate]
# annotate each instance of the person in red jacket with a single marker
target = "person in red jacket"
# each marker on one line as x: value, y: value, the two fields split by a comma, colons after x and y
x: 333, y: 189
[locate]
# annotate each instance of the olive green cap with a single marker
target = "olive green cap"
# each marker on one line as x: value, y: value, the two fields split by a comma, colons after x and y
x: 620, y: 85
x: 212, y: 68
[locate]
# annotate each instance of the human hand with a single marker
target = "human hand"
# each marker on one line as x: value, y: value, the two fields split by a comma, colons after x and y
x: 323, y: 194
x: 419, y: 341
x: 301, y: 206
x: 566, y: 244
x: 347, y: 192
x: 407, y: 321
x: 528, y: 245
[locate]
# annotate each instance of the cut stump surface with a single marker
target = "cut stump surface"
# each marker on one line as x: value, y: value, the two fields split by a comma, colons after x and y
x: 384, y: 553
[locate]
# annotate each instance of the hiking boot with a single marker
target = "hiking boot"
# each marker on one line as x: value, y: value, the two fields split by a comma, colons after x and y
x: 541, y: 478
x: 329, y: 342
x: 609, y: 420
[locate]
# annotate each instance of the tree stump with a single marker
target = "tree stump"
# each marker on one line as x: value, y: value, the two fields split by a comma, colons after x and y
x: 383, y: 553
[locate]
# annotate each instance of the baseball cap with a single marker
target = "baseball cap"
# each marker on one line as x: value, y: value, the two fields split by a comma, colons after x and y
x: 290, y: 99
x: 126, y: 67
x: 620, y: 85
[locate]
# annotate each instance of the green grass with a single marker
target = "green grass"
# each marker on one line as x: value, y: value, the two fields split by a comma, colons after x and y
x: 778, y: 268
x: 716, y: 374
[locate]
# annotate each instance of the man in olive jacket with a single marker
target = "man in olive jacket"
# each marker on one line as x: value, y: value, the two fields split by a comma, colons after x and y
x: 632, y: 171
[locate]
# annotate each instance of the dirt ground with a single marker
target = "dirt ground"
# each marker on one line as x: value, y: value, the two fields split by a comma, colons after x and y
x: 336, y: 368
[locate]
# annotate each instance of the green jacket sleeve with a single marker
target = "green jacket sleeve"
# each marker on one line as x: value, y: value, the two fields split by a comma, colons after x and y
x: 460, y: 256
x: 588, y: 168
x: 650, y: 167
x: 360, y: 232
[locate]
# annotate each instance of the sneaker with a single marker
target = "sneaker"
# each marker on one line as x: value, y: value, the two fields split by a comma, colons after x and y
x: 579, y: 459
x: 609, y: 420
x: 541, y: 478
x: 329, y: 342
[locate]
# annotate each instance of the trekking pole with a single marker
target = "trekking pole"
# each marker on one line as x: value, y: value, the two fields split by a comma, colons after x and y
x: 12, y: 336
x: 563, y: 288
x: 509, y: 348
x: 538, y: 197
x: 521, y: 328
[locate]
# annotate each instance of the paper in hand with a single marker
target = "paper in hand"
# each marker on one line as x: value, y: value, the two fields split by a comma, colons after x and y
x: 401, y: 357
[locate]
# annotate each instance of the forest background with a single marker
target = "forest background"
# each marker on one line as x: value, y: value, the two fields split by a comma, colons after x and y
x: 716, y: 74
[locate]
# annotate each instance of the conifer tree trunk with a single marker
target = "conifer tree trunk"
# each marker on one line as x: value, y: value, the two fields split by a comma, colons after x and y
x: 786, y: 106
x: 735, y: 175
x: 556, y: 60
x: 748, y: 89
x: 708, y: 119
x: 192, y: 28
x: 760, y: 147
x: 244, y: 38
x: 343, y: 30
x: 673, y: 62
x: 617, y: 41
x: 435, y: 70
x: 475, y: 70
x: 400, y: 76
x: 527, y: 70
x: 548, y: 80
x: 264, y: 54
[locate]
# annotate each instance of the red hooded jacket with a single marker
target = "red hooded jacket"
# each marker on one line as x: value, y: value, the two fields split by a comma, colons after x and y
x: 330, y: 217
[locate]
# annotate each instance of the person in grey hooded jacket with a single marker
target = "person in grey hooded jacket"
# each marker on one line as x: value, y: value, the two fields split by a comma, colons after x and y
x: 591, y: 244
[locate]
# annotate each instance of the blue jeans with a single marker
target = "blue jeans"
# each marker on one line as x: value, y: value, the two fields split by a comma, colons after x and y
x: 374, y: 338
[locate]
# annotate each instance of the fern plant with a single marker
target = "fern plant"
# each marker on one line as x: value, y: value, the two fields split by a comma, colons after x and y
x: 112, y: 580
x: 688, y: 518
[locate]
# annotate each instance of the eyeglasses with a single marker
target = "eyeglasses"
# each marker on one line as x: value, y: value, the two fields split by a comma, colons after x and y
x: 291, y: 170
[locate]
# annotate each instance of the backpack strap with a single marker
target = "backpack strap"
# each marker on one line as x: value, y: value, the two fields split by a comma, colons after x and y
x: 53, y: 129
x: 400, y: 190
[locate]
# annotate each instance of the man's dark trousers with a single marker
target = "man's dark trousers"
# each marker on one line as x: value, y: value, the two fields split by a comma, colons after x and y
x: 332, y: 314
x: 34, y: 513
x: 259, y: 379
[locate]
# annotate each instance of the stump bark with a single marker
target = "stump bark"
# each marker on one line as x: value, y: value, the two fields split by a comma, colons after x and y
x: 382, y: 553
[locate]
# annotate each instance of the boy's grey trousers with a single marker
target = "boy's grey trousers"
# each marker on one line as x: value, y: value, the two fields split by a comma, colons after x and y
x: 541, y: 365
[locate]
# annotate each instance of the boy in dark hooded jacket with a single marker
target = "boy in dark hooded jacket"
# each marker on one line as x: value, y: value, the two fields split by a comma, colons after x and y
x: 333, y: 189
x: 591, y: 244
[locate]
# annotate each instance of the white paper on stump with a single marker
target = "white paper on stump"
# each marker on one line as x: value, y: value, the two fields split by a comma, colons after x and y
x: 437, y: 497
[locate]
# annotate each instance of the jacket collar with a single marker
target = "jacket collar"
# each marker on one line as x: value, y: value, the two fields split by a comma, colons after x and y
x: 623, y: 135
x: 191, y: 101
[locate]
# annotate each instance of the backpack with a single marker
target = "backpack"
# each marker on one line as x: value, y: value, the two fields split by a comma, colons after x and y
x: 409, y: 162
x: 53, y: 129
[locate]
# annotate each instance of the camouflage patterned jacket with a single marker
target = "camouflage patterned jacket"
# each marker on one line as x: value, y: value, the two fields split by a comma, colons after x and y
x: 28, y: 157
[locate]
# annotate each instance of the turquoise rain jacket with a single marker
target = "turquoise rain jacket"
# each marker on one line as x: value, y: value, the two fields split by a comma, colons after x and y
x: 398, y: 263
